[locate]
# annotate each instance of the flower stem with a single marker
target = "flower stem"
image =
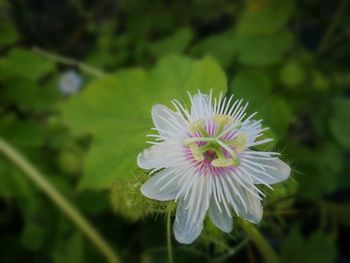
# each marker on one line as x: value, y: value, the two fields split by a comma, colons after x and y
x: 72, y: 213
x: 168, y: 234
x: 69, y: 61
x: 260, y: 242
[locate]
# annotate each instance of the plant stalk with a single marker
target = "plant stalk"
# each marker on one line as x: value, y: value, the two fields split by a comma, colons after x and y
x: 260, y: 242
x: 71, y: 212
x: 69, y: 61
x: 168, y: 234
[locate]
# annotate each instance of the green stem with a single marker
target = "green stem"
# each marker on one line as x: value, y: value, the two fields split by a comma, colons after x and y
x: 168, y: 235
x: 72, y: 213
x: 69, y: 61
x: 260, y: 242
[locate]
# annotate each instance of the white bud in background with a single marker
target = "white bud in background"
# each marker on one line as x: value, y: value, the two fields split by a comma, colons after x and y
x: 70, y: 82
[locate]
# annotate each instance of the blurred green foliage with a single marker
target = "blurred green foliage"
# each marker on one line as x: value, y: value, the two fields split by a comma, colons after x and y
x: 289, y: 59
x: 119, y: 132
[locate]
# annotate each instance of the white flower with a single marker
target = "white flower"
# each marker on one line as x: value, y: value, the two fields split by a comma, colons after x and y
x: 203, y: 159
x: 70, y: 82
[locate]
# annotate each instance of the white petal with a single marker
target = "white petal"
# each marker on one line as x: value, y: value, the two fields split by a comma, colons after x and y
x: 220, y: 218
x: 161, y: 155
x: 186, y: 230
x: 201, y: 106
x: 163, y: 186
x: 190, y: 213
x: 251, y: 128
x: 275, y: 171
x: 255, y: 209
x: 167, y: 121
x: 247, y: 204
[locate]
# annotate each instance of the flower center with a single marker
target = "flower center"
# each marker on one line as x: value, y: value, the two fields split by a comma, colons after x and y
x: 216, y: 141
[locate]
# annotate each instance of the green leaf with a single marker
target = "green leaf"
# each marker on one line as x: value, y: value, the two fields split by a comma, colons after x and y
x: 174, y: 44
x: 339, y: 122
x: 292, y: 74
x: 317, y: 248
x: 261, y: 39
x: 8, y: 33
x: 265, y: 17
x: 92, y: 202
x: 69, y: 161
x: 220, y: 46
x: 321, y: 168
x: 319, y: 81
x: 28, y: 94
x: 24, y: 63
x: 254, y: 86
x: 33, y: 235
x: 116, y: 111
x: 70, y: 251
x: 12, y: 182
x: 256, y: 50
x: 276, y: 114
x: 16, y: 187
x: 24, y: 134
x: 251, y: 85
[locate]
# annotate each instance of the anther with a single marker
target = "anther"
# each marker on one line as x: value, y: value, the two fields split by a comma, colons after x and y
x: 196, y: 152
x: 222, y: 121
x: 225, y: 162
x: 222, y: 162
x: 234, y: 125
x: 198, y: 126
x: 239, y: 142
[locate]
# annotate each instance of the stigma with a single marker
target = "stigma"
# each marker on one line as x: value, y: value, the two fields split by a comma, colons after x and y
x: 216, y: 141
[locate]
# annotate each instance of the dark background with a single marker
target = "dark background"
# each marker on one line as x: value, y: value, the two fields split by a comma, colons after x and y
x: 290, y: 59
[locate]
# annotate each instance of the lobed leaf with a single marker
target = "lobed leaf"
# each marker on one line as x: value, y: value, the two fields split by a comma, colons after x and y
x: 116, y: 109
